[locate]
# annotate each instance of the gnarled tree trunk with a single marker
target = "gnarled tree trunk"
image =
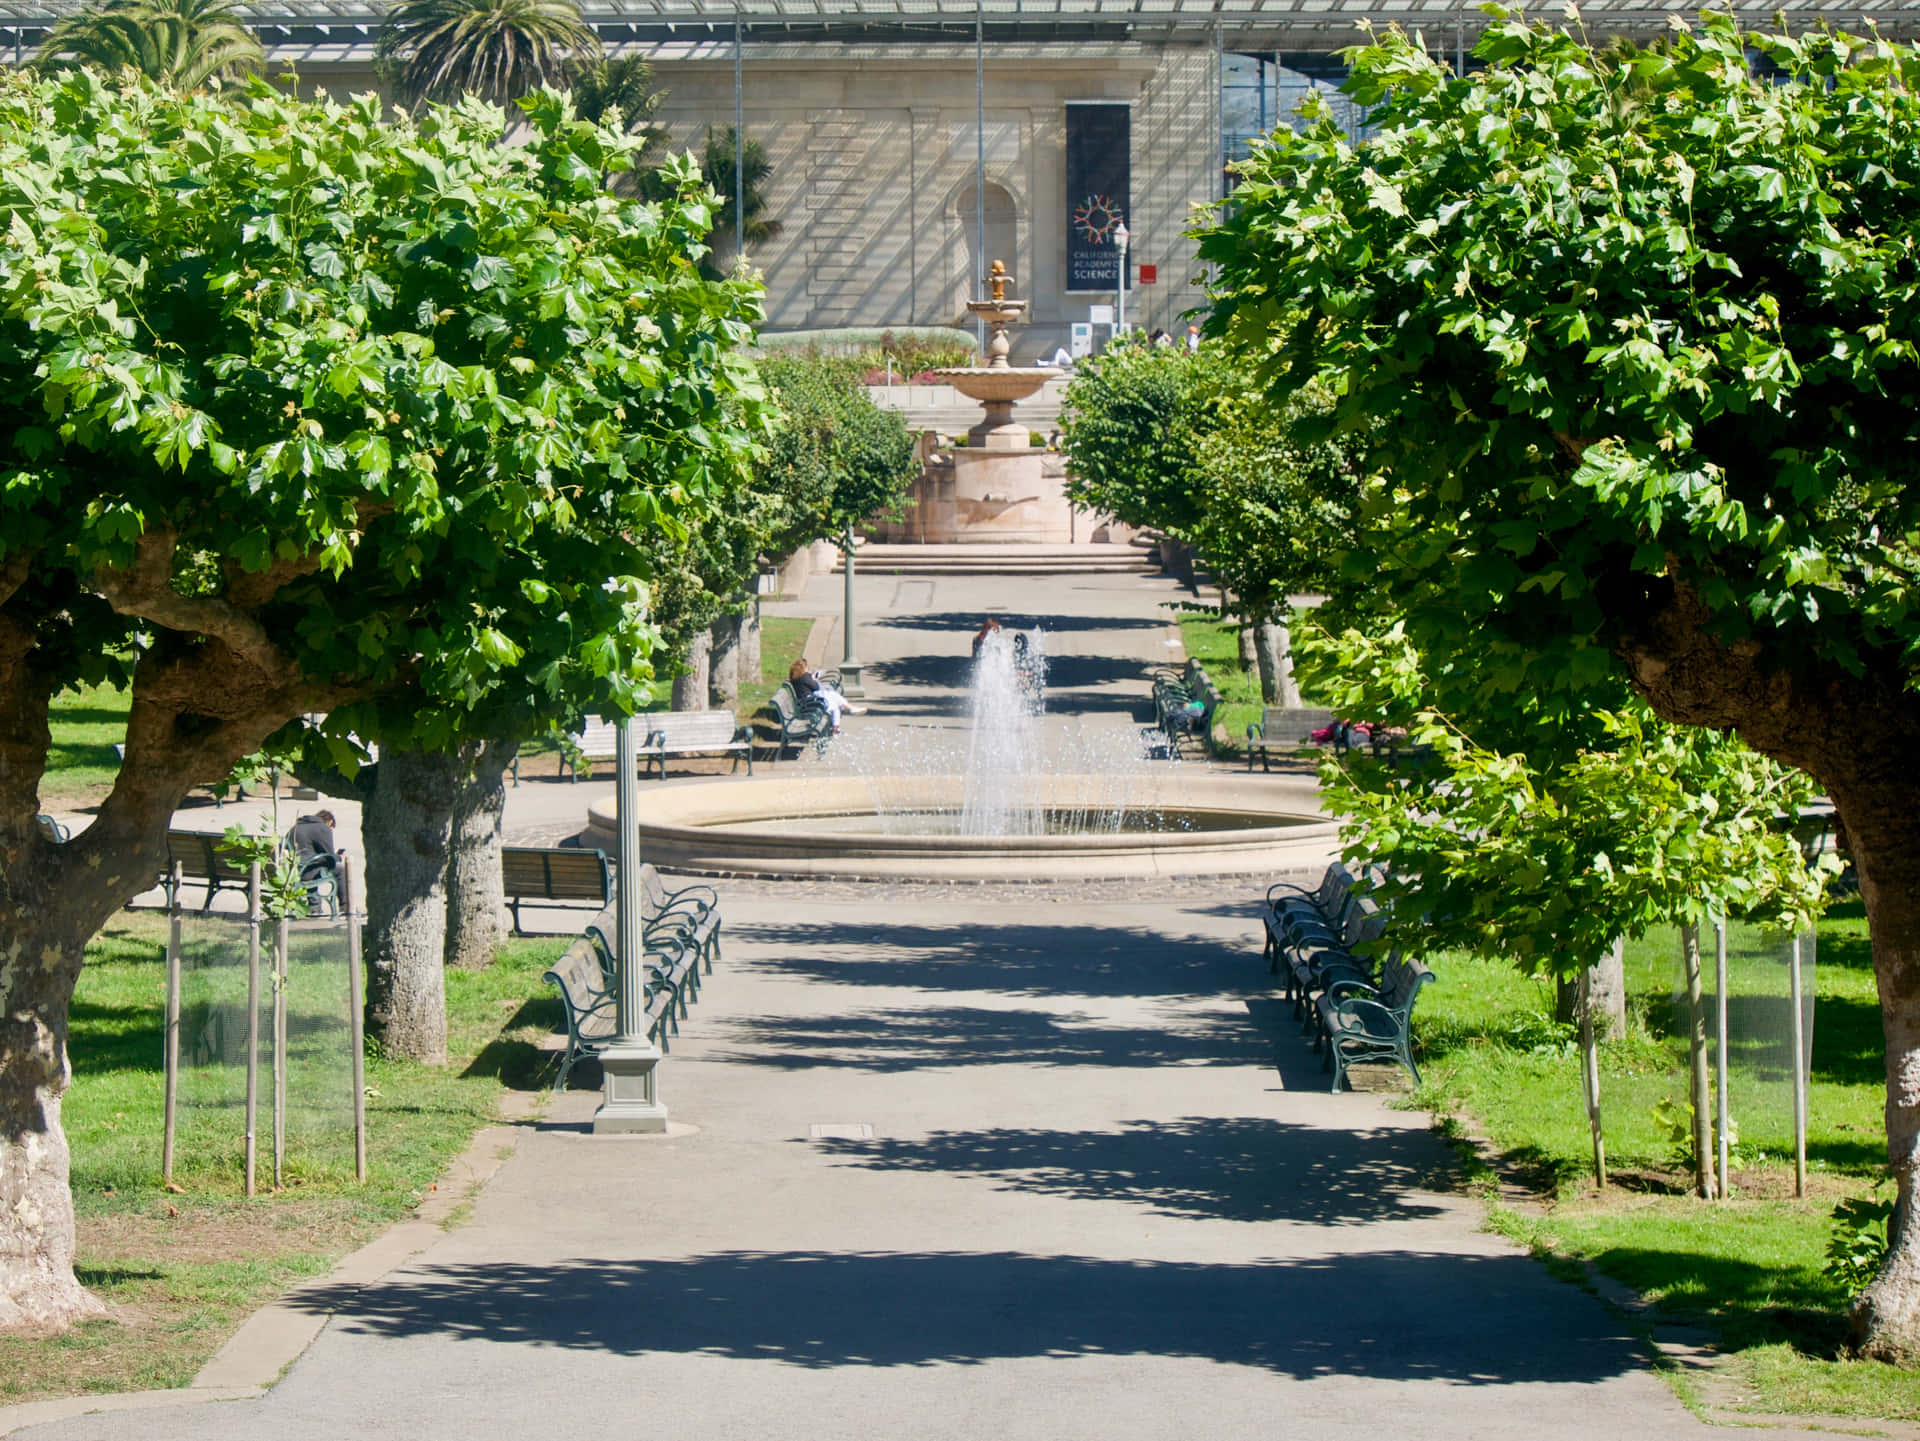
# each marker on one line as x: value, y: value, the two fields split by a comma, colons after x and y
x: 192, y: 715
x: 1856, y: 732
x: 476, y: 896
x: 407, y: 829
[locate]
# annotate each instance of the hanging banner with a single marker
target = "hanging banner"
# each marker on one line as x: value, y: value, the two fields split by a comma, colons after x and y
x: 1099, y: 191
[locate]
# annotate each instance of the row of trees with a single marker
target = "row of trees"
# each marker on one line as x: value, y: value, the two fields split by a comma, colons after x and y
x: 1623, y: 342
x: 319, y: 413
x: 1182, y: 442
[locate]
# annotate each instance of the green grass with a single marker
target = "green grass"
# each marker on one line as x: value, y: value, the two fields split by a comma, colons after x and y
x: 86, y: 725
x: 783, y: 639
x: 1750, y: 1268
x: 180, y: 1269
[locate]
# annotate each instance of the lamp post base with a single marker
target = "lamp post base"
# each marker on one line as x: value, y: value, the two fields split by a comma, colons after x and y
x: 850, y: 686
x: 629, y: 1106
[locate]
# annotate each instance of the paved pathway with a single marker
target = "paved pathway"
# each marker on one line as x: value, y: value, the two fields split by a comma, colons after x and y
x: 990, y: 1163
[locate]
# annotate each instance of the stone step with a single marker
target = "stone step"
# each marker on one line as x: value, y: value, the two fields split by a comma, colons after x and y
x: 992, y: 559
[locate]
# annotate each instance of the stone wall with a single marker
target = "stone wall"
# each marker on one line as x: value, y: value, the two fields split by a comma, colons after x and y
x: 873, y: 155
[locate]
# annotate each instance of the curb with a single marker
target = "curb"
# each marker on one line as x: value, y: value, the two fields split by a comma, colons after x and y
x: 277, y: 1335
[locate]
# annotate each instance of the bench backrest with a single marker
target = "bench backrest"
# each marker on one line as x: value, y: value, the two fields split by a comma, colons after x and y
x: 1402, y: 980
x: 580, y: 976
x: 690, y: 729
x: 597, y: 738
x: 198, y: 854
x: 1335, y: 886
x: 787, y: 705
x: 560, y: 872
x: 1365, y: 922
x: 1293, y: 723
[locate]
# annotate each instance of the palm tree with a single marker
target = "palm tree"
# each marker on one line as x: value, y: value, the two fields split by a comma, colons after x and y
x: 717, y: 165
x: 624, y: 82
x: 182, y: 43
x: 496, y: 49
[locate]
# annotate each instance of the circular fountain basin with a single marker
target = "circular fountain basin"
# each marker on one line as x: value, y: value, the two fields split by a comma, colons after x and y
x: 827, y: 828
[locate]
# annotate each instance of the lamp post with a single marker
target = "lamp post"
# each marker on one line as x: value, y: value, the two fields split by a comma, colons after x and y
x: 630, y: 1105
x: 1121, y: 235
x: 850, y: 686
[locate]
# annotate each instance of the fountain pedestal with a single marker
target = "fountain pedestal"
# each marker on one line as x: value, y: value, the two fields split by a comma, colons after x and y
x: 1001, y: 490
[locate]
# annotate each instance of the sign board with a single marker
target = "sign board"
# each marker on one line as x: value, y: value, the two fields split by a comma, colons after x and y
x: 1099, y: 190
x: 1082, y: 342
x: 1149, y: 275
x: 1100, y: 314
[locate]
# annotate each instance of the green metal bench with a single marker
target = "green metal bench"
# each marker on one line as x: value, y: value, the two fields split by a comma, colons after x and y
x: 1361, y: 1023
x: 798, y: 722
x: 587, y: 992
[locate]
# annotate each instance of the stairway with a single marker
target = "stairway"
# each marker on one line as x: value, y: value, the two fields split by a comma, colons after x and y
x: 984, y: 559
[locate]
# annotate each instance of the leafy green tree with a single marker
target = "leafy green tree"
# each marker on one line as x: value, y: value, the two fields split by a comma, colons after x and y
x: 309, y: 412
x: 1275, y: 508
x: 1177, y: 441
x: 1131, y: 428
x: 835, y: 459
x: 1631, y: 342
x: 183, y: 43
x: 499, y: 50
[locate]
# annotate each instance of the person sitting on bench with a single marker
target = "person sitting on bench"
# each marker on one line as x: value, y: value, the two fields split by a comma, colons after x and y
x: 313, y: 849
x: 808, y: 686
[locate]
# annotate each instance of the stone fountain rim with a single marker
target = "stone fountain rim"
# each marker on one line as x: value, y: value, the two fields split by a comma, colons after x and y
x: 684, y: 828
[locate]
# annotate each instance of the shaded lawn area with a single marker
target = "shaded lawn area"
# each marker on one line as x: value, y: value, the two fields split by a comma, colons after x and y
x: 1216, y: 645
x: 180, y: 1270
x: 86, y: 725
x: 1750, y: 1268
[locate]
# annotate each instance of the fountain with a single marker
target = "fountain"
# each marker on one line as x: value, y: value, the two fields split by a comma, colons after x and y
x: 1015, y: 797
x: 1000, y: 488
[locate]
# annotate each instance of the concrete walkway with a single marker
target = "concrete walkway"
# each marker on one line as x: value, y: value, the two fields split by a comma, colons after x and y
x: 991, y: 1163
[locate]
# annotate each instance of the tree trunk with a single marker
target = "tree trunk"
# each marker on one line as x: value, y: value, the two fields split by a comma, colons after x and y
x: 1249, y: 651
x: 750, y: 662
x: 1607, y: 985
x: 690, y: 688
x: 1273, y: 644
x: 1883, y: 828
x: 39, y: 962
x: 1699, y: 1086
x: 723, y: 667
x: 476, y: 896
x: 406, y: 827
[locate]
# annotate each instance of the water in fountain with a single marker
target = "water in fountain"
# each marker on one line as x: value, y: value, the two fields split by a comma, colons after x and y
x: 1004, y: 759
x: 1024, y: 773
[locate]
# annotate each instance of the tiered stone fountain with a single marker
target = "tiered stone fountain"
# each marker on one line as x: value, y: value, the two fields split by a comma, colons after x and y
x: 1001, y: 489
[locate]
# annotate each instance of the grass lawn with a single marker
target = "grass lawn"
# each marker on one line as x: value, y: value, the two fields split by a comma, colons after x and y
x: 86, y: 725
x: 180, y: 1270
x: 1749, y: 1268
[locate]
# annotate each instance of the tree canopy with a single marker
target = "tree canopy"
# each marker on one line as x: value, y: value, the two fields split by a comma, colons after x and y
x: 308, y: 411
x: 836, y: 458
x: 184, y: 43
x: 1628, y: 340
x: 496, y: 49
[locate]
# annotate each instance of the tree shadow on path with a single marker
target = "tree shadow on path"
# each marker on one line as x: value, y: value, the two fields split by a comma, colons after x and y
x: 1225, y: 1168
x: 1390, y: 1315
